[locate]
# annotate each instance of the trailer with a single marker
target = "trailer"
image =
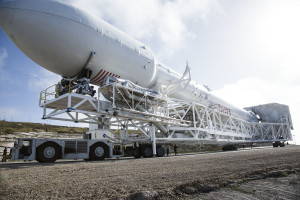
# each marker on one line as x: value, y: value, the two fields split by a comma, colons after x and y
x: 49, y: 150
x: 128, y: 120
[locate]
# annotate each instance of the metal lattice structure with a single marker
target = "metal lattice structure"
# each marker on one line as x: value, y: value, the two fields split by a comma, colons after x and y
x: 142, y: 115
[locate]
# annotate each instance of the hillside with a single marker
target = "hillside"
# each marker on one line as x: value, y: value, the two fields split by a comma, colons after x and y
x: 11, y: 127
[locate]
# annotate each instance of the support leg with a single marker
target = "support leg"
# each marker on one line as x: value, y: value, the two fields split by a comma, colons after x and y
x: 153, y: 138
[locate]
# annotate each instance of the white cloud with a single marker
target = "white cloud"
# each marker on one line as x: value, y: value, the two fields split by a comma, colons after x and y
x: 254, y: 91
x: 289, y: 69
x: 279, y: 29
x: 163, y: 23
x: 3, y: 56
x: 42, y: 80
x: 9, y: 113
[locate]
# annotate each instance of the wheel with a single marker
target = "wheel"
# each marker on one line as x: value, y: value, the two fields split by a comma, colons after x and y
x: 275, y: 144
x: 226, y: 148
x: 98, y: 151
x: 282, y: 144
x: 48, y: 152
x: 136, y: 153
x: 26, y: 150
x: 160, y: 151
x: 235, y: 148
x: 147, y: 151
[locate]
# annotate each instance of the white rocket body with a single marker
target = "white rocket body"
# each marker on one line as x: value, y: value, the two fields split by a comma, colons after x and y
x: 60, y: 37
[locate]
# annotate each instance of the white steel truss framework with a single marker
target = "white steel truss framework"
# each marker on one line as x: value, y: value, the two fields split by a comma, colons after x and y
x: 132, y: 114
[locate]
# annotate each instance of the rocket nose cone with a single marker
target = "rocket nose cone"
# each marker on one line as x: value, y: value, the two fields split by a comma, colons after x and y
x: 6, y: 12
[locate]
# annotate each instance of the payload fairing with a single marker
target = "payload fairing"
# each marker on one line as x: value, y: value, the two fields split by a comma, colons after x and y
x: 60, y: 38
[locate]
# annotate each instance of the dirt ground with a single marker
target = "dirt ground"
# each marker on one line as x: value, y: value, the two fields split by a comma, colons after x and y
x: 260, y: 173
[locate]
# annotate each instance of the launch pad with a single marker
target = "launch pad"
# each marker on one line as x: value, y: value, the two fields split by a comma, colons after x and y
x: 127, y: 114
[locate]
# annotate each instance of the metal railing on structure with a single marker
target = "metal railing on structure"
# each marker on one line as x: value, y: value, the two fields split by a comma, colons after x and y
x: 53, y: 91
x: 50, y: 92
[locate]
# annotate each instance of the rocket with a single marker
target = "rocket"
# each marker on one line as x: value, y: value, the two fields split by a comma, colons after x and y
x: 60, y: 37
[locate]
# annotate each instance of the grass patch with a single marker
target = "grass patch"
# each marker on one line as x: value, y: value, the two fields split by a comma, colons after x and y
x: 244, y: 180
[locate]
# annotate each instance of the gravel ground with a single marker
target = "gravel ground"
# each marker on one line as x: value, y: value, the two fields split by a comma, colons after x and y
x: 191, y: 176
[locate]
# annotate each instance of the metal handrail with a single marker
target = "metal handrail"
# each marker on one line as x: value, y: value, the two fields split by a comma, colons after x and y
x: 44, y: 93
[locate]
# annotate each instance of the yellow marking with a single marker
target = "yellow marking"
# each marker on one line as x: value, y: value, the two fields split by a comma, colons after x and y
x: 69, y: 86
x: 44, y: 94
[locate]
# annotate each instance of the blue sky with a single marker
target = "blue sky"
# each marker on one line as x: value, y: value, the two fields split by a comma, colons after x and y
x: 21, y: 81
x: 246, y: 51
x: 17, y: 99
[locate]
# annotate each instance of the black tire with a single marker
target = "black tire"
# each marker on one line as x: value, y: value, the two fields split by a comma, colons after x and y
x: 26, y: 150
x: 226, y: 148
x: 282, y: 144
x: 160, y: 151
x: 275, y: 144
x: 98, y: 151
x: 147, y: 151
x: 48, y: 152
x: 136, y: 153
x: 229, y: 148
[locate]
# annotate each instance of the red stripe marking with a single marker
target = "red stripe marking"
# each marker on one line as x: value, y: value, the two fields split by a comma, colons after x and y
x: 113, y: 75
x: 102, y: 78
x: 106, y: 76
x: 96, y: 75
x: 99, y: 77
x: 110, y: 74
